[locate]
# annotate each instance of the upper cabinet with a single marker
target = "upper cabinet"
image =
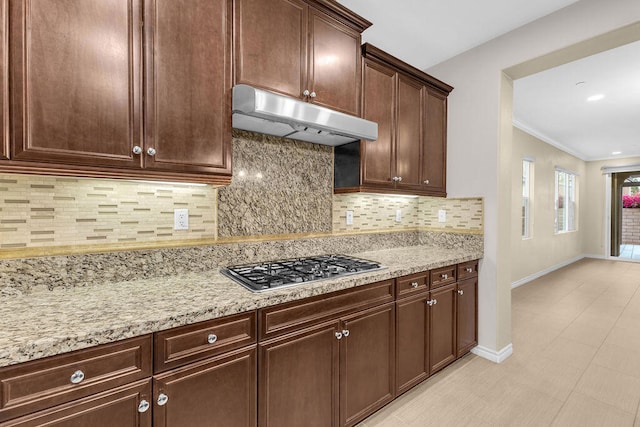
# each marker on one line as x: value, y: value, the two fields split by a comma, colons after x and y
x: 410, y: 108
x: 4, y: 81
x: 94, y: 92
x: 304, y: 49
x: 188, y: 76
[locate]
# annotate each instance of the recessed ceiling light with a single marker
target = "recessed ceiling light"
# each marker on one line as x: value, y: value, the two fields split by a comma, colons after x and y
x: 615, y: 153
x: 597, y: 97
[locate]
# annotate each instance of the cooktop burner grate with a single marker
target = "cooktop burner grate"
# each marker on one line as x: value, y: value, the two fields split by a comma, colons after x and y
x: 290, y: 272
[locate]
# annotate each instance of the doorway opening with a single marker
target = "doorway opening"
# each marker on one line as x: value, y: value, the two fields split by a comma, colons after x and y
x: 625, y: 215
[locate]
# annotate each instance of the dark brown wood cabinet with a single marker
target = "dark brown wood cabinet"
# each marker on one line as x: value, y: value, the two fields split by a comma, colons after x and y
x: 188, y: 76
x: 467, y: 315
x: 412, y: 335
x: 320, y: 373
x: 217, y: 392
x: 304, y: 49
x: 4, y: 80
x: 410, y: 108
x: 117, y: 407
x: 442, y: 331
x: 93, y: 93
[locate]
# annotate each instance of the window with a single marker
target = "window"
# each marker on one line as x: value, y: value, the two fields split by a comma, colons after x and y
x: 527, y: 166
x: 565, y: 201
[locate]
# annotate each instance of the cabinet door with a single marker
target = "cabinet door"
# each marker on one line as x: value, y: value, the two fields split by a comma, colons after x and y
x: 76, y: 81
x: 467, y: 312
x: 117, y: 407
x: 367, y: 363
x: 298, y: 383
x: 409, y: 133
x: 442, y: 334
x: 334, y: 64
x: 271, y: 45
x: 4, y: 80
x: 434, y: 158
x: 218, y: 392
x: 188, y: 78
x: 412, y: 342
x: 378, y: 157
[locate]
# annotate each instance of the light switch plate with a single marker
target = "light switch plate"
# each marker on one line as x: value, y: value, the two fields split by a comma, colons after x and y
x: 442, y: 215
x: 181, y: 219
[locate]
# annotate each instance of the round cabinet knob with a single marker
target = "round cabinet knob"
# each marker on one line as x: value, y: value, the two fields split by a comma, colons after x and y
x: 345, y: 332
x: 445, y: 276
x: 399, y: 178
x: 435, y: 301
x: 339, y: 335
x: 430, y: 302
x: 469, y: 270
x: 313, y: 94
x: 137, y: 150
x: 143, y: 406
x: 414, y: 284
x: 395, y: 179
x: 306, y: 92
x: 212, y: 338
x: 162, y: 399
x: 151, y: 151
x: 460, y: 292
x: 77, y: 377
x: 426, y: 182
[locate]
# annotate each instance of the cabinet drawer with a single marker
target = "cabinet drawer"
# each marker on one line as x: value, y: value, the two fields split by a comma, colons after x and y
x: 412, y: 284
x: 40, y: 384
x: 467, y: 270
x: 295, y: 315
x: 186, y: 344
x: 443, y: 276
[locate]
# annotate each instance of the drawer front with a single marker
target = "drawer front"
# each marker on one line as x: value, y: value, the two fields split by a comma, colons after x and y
x: 412, y: 284
x: 295, y: 315
x: 443, y: 276
x: 467, y: 270
x: 179, y: 346
x: 40, y: 384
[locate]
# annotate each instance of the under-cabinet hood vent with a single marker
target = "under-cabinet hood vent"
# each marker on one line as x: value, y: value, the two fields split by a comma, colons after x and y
x: 266, y: 112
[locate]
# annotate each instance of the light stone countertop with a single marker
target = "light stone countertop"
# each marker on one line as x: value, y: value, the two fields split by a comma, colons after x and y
x: 45, y: 323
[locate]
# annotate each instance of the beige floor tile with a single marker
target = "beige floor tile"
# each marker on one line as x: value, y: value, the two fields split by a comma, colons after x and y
x: 382, y: 419
x: 586, y: 332
x: 628, y: 339
x: 583, y: 411
x: 619, y: 359
x: 570, y: 352
x: 611, y: 387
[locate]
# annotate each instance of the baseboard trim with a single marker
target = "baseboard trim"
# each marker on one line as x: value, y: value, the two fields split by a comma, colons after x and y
x: 541, y: 273
x: 492, y: 355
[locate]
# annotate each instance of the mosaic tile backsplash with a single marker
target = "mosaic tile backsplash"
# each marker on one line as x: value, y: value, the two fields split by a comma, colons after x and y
x: 279, y: 186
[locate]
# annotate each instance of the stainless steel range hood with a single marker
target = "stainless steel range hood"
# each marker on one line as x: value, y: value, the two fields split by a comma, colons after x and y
x: 266, y: 112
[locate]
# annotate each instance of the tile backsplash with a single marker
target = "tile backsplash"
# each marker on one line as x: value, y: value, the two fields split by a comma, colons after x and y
x: 279, y: 187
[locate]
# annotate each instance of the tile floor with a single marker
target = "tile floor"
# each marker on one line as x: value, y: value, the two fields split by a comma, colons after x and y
x: 576, y: 360
x: 630, y: 251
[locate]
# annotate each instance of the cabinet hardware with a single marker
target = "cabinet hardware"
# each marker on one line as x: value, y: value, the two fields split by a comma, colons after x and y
x: 426, y: 181
x: 162, y: 399
x: 469, y: 270
x: 445, y: 276
x: 460, y: 292
x: 414, y: 284
x: 143, y: 406
x: 339, y: 335
x: 345, y: 333
x: 312, y: 95
x: 77, y: 377
x: 151, y: 151
x: 137, y: 149
x: 306, y: 92
x: 212, y: 338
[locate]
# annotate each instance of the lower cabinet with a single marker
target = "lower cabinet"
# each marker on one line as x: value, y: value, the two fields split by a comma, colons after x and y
x: 217, y: 392
x: 123, y: 407
x: 412, y: 335
x: 442, y: 327
x: 466, y: 315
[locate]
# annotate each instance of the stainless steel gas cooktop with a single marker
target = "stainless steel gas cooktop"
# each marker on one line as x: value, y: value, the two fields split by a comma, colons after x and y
x: 290, y: 272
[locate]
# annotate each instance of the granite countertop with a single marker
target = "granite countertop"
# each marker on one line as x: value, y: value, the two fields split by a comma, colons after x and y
x: 44, y: 323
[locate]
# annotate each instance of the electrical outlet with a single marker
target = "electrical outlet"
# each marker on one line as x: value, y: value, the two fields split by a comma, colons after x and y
x: 349, y: 217
x: 398, y: 215
x: 181, y: 219
x: 442, y: 215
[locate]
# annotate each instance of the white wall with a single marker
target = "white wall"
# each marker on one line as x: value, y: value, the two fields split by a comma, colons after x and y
x: 545, y: 248
x: 476, y: 119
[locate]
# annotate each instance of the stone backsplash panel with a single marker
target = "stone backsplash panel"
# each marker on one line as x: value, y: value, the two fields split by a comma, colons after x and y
x: 279, y: 186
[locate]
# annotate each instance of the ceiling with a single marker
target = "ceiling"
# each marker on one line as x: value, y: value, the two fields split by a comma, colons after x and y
x: 548, y: 104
